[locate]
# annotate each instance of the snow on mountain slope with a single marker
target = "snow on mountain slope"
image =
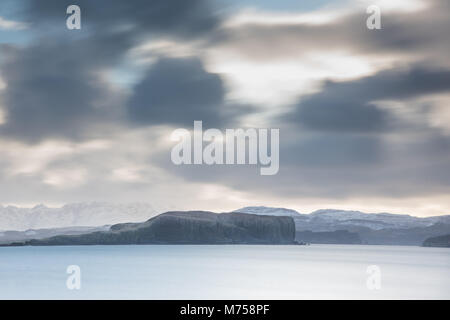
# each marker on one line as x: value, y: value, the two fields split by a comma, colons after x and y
x: 76, y: 214
x: 332, y: 219
x: 375, y: 220
x: 99, y: 214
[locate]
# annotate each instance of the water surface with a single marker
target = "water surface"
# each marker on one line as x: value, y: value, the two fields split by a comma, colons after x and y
x: 225, y: 272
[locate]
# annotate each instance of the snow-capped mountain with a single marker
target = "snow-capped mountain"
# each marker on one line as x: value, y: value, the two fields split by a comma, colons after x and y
x: 376, y: 220
x: 76, y: 214
x: 332, y: 219
x: 93, y: 214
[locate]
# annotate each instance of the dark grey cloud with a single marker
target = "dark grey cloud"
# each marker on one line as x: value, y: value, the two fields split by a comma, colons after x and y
x: 337, y: 143
x: 110, y: 28
x: 324, y: 149
x: 179, y: 91
x: 54, y: 85
x: 134, y: 18
x: 118, y: 23
x: 350, y: 105
x: 337, y: 166
x: 51, y: 92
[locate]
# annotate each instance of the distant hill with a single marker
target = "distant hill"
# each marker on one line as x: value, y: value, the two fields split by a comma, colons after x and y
x: 332, y: 219
x: 192, y: 227
x: 329, y: 237
x: 12, y: 236
x: 84, y: 214
x: 440, y: 241
x: 400, y: 236
x: 371, y: 228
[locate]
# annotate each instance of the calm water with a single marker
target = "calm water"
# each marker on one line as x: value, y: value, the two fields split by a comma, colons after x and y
x: 225, y: 272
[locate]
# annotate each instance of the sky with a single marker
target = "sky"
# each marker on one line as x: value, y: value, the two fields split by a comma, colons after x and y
x: 364, y: 115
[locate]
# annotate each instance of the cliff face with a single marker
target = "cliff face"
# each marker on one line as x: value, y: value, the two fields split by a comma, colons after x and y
x: 193, y: 227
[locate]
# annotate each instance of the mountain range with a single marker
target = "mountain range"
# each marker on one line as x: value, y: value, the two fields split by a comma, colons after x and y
x: 331, y: 219
x: 321, y: 226
x: 84, y: 214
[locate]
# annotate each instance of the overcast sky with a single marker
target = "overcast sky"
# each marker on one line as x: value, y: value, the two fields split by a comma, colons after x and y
x: 364, y: 115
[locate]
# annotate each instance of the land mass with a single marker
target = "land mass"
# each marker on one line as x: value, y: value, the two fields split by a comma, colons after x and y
x: 440, y: 241
x: 329, y: 237
x: 19, y: 236
x: 353, y: 227
x: 330, y: 226
x: 191, y: 227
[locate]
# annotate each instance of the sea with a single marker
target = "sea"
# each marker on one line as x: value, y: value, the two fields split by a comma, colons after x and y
x: 225, y: 272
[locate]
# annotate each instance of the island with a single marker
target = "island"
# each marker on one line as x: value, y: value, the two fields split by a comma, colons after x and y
x: 185, y: 227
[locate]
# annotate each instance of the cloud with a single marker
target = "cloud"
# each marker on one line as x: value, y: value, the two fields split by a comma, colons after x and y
x: 11, y: 25
x: 350, y: 105
x: 133, y: 19
x: 340, y: 167
x: 270, y: 58
x: 404, y: 33
x: 55, y: 84
x: 349, y: 135
x: 179, y: 91
x: 347, y: 141
x: 52, y: 93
